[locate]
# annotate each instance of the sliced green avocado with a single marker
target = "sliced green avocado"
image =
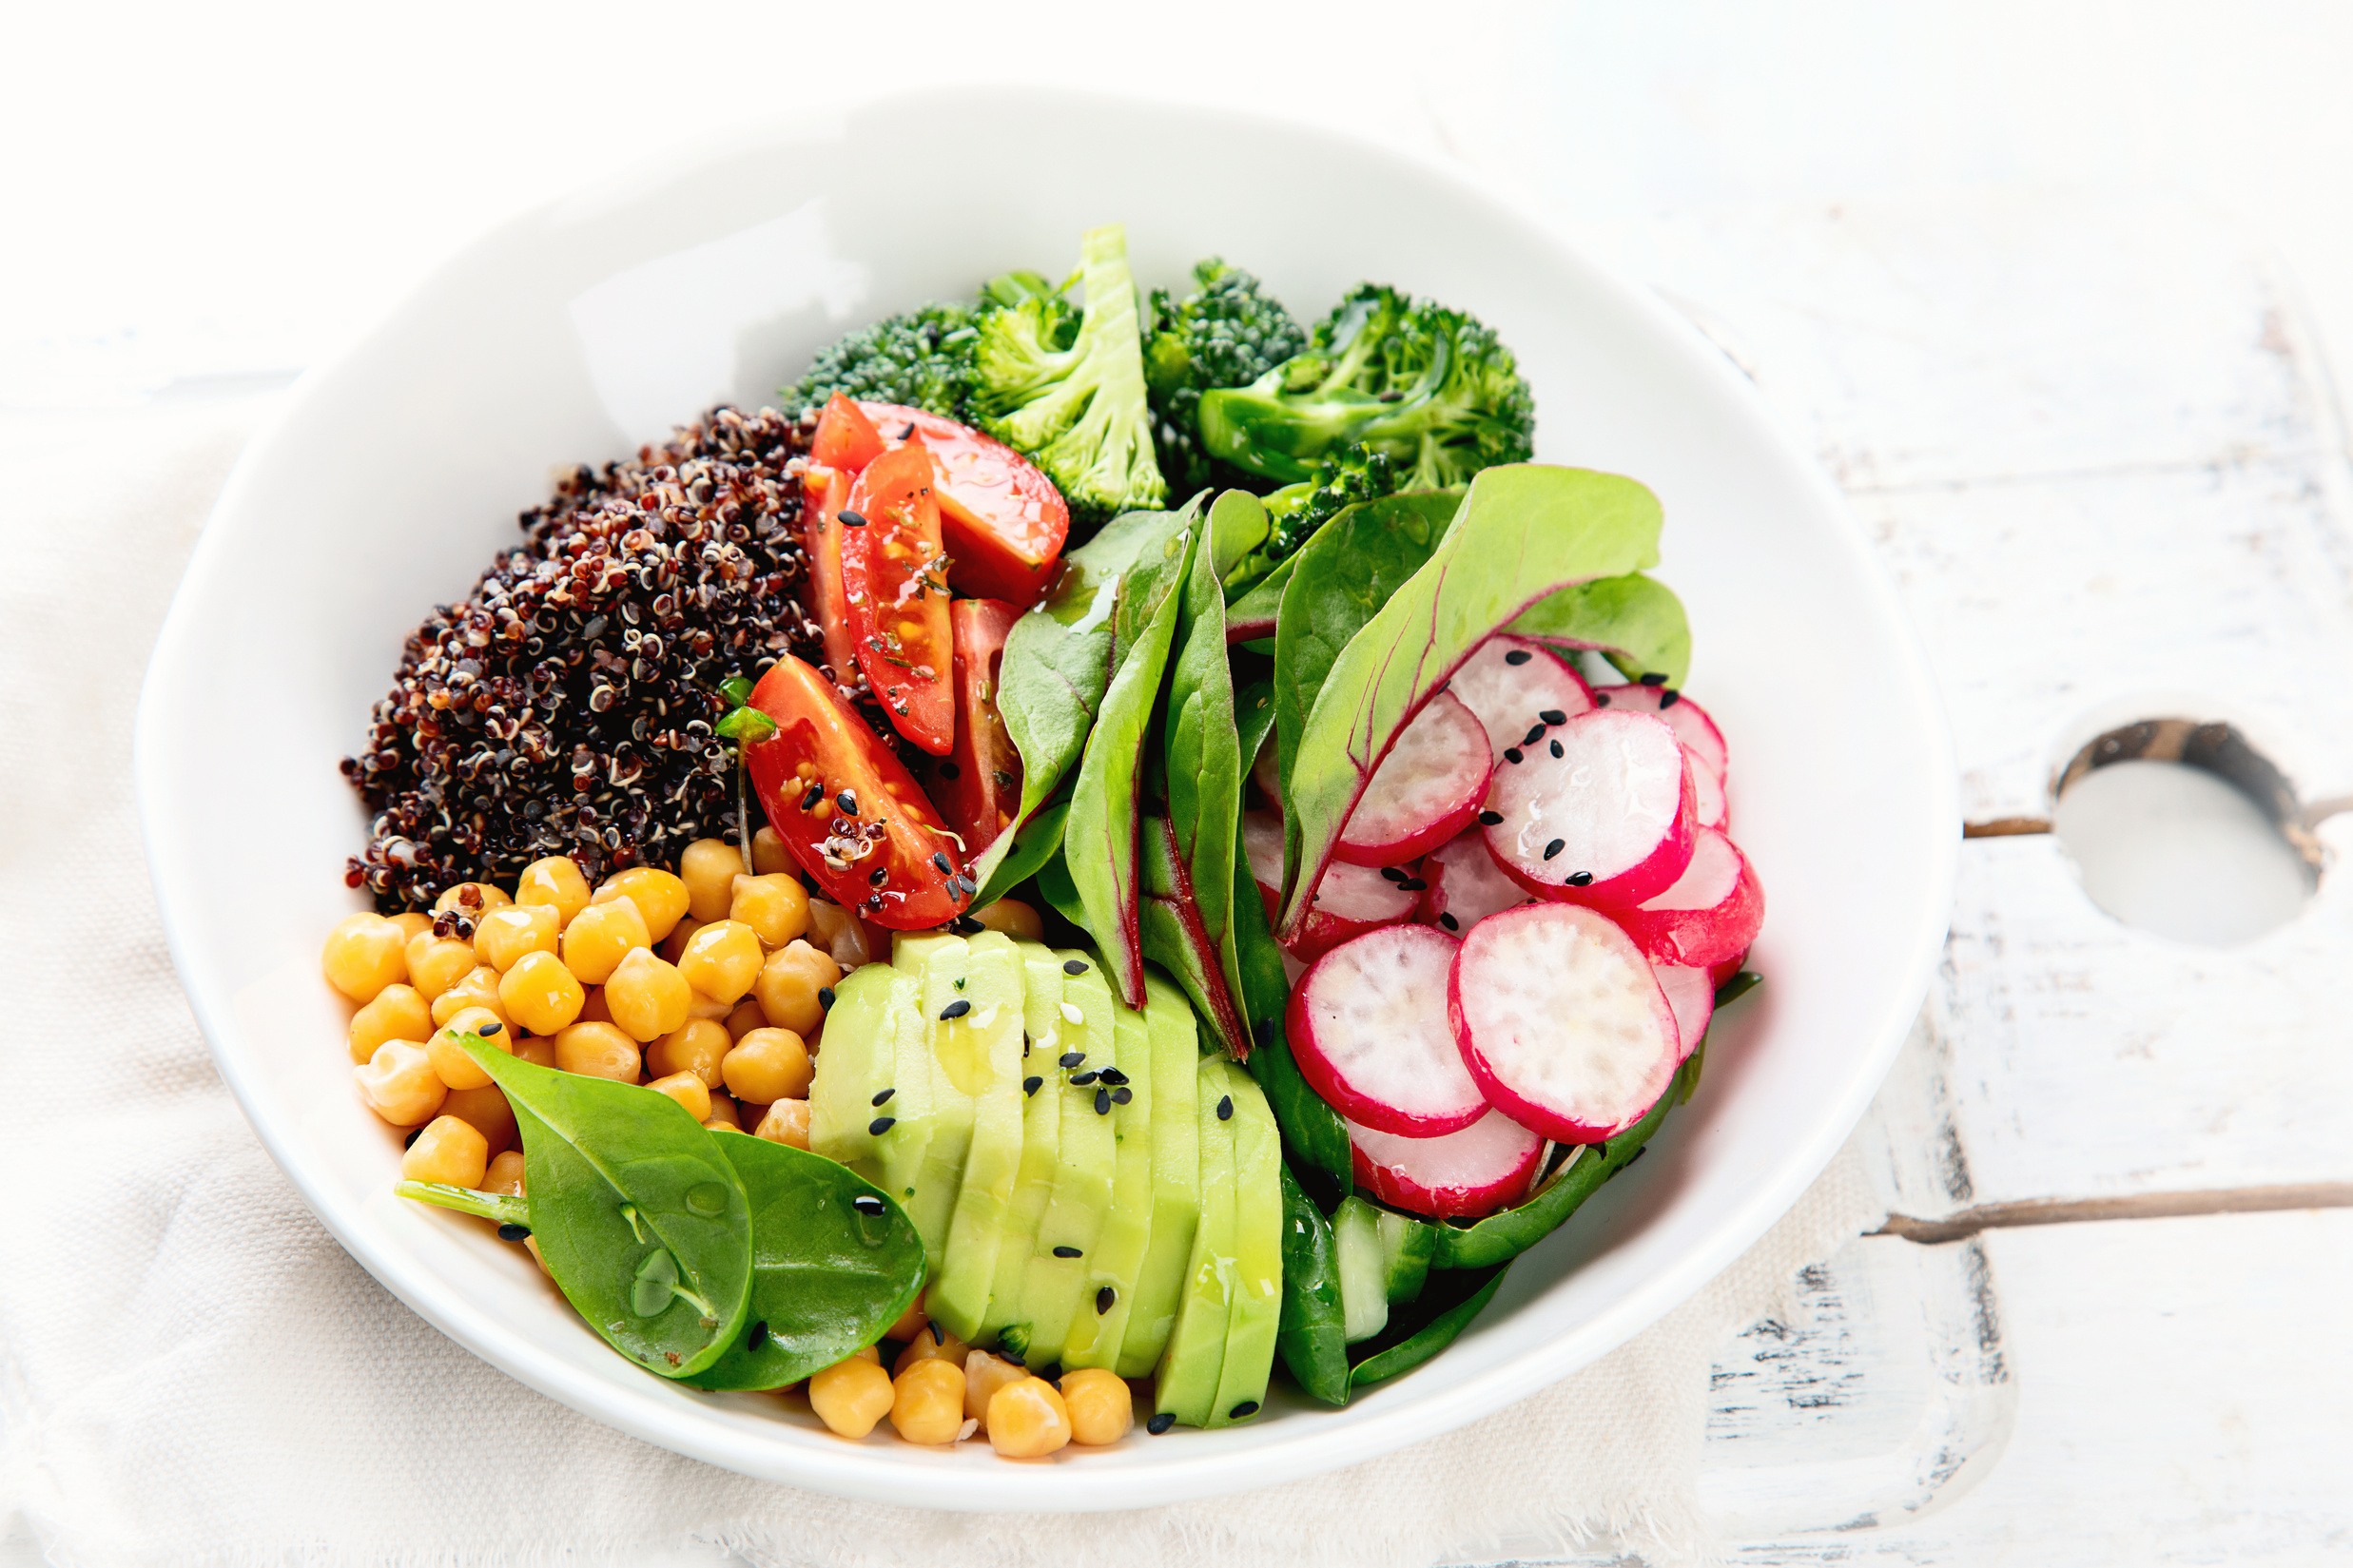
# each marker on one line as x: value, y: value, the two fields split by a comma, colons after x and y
x: 1176, y: 1176
x: 901, y: 1146
x: 854, y: 1064
x: 1186, y: 1386
x: 980, y: 1051
x: 1256, y: 1310
x: 1041, y: 1134
x: 1083, y: 1165
x: 937, y: 961
x: 1098, y: 1325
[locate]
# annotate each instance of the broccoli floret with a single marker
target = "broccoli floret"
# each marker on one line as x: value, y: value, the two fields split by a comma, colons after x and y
x: 1297, y: 511
x: 1073, y: 401
x: 1431, y: 389
x: 1226, y: 333
x: 923, y: 360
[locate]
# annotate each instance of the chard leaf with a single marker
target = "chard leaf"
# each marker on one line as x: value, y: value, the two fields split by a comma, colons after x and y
x: 1635, y: 621
x: 1526, y: 531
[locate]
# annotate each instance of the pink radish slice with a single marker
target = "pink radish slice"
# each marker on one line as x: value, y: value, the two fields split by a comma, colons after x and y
x: 1719, y: 973
x: 1465, y: 886
x: 1349, y: 900
x: 1691, y: 996
x: 1368, y: 1030
x: 1600, y: 813
x: 1485, y: 1167
x: 1514, y: 683
x: 1425, y: 790
x: 1711, y: 914
x: 1709, y: 808
x: 1690, y: 721
x: 1562, y: 1022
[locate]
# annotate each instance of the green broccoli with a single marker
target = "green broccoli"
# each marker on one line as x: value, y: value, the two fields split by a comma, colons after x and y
x: 1073, y: 401
x: 1226, y: 333
x: 923, y: 360
x: 1297, y: 511
x: 1430, y: 388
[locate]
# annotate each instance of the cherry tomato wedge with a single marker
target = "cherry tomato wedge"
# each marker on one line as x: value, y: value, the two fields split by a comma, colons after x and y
x: 847, y: 808
x: 1004, y: 520
x: 845, y: 437
x: 892, y: 580
x: 979, y: 785
x: 826, y: 492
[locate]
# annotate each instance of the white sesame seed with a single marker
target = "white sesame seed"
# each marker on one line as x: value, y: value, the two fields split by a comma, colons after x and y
x: 1072, y: 1014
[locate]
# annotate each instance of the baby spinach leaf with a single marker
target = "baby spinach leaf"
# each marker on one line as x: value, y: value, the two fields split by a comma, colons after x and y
x: 1525, y: 530
x: 1311, y: 1337
x: 834, y: 1262
x: 1504, y: 1235
x: 1241, y: 527
x: 1027, y: 846
x: 642, y: 1222
x: 506, y: 1209
x: 1252, y: 614
x: 1060, y: 892
x: 1420, y: 1329
x: 1635, y: 621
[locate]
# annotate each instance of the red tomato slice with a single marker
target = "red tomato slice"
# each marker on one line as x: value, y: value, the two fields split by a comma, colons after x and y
x: 1004, y: 520
x: 826, y: 492
x: 891, y: 581
x: 847, y: 808
x: 979, y: 785
x: 845, y: 439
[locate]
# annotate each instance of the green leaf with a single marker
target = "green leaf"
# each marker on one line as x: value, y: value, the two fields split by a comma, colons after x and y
x: 1027, y: 847
x: 1636, y: 622
x: 1525, y: 532
x: 616, y: 1174
x: 1055, y: 886
x: 1254, y: 610
x: 1253, y: 719
x: 1241, y: 527
x: 744, y: 726
x: 1504, y: 1235
x: 503, y: 1208
x: 1311, y: 1340
x: 736, y: 690
x: 1420, y: 1329
x: 826, y: 1276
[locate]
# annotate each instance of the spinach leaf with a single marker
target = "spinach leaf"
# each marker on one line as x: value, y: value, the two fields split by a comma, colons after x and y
x: 1638, y: 623
x: 504, y: 1208
x: 1525, y: 532
x: 1027, y: 847
x: 1253, y: 720
x: 1420, y: 1329
x: 1241, y: 527
x: 1252, y: 614
x: 834, y: 1262
x: 642, y: 1222
x: 1055, y: 886
x: 1311, y: 1338
x: 1504, y: 1235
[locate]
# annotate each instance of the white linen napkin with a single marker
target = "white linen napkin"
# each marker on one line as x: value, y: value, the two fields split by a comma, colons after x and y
x: 191, y: 1370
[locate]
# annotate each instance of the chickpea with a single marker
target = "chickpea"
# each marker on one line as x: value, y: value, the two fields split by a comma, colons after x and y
x: 1013, y: 918
x: 1100, y: 1407
x: 538, y: 1050
x: 673, y: 946
x: 471, y: 899
x: 397, y: 1014
x: 436, y: 964
x: 725, y: 1111
x: 697, y: 1046
x: 450, y: 1062
x: 928, y: 1402
x: 600, y: 937
x: 851, y: 1396
x: 648, y: 998
x: 746, y: 1018
x: 1027, y: 1420
x: 487, y: 1112
x: 364, y: 954
x: 709, y: 867
x: 659, y: 897
x: 870, y: 1354
x: 554, y: 883
x: 447, y: 1151
x: 413, y: 923
x: 599, y: 1051
x: 932, y: 1343
x: 768, y: 1066
x: 785, y: 1122
x: 776, y: 907
x: 786, y: 989
x: 540, y: 993
x: 768, y: 854
x: 721, y: 960
x: 594, y: 1010
x: 911, y: 1322
x: 983, y: 1375
x: 504, y: 935
x: 399, y: 1084
x: 505, y: 1173
x: 478, y: 987
x: 689, y: 1091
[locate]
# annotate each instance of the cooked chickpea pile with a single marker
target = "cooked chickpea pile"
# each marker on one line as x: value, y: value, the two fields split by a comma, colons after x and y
x: 699, y: 986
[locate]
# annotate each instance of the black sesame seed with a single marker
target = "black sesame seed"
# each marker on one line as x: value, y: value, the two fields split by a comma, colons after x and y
x: 410, y: 1142
x: 1555, y: 847
x: 1636, y: 1155
x: 955, y: 1009
x: 883, y: 1098
x: 1266, y: 1034
x: 940, y: 860
x: 1248, y: 1408
x: 848, y: 801
x: 1450, y: 922
x: 1654, y: 678
x: 824, y: 998
x: 1225, y: 1109
x: 1413, y: 884
x: 1579, y: 879
x: 1601, y: 699
x: 866, y: 1203
x: 854, y: 519
x: 1070, y: 1059
x: 1601, y: 1150
x: 1518, y: 656
x: 1074, y: 966
x: 1512, y: 754
x: 1080, y: 1081
x: 1553, y: 716
x: 1068, y: 1251
x: 1031, y: 1085
x: 1161, y: 1422
x: 511, y: 1232
x: 1556, y: 749
x: 1114, y: 1077
x: 1667, y: 699
x: 1102, y: 1102
x: 1535, y: 733
x: 1122, y: 1095
x: 1492, y: 819
x: 966, y: 882
x: 1103, y: 1298
x: 881, y: 1125
x: 906, y: 430
x: 488, y: 1029
x: 1393, y: 873
x: 814, y: 798
x: 758, y: 1335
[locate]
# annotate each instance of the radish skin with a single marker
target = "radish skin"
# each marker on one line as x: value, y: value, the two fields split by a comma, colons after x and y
x: 1485, y: 1167
x: 1712, y: 912
x: 1349, y: 900
x: 1425, y: 790
x: 1368, y: 1027
x: 1601, y: 812
x: 1691, y: 996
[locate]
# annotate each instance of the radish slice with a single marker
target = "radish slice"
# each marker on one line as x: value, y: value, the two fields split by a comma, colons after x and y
x: 1709, y: 808
x: 1425, y: 790
x: 1690, y: 721
x: 1719, y: 973
x: 1711, y: 914
x: 1368, y: 1030
x: 1691, y: 996
x: 1600, y: 813
x: 1562, y: 1022
x: 1481, y: 1169
x: 1513, y: 684
x: 1349, y: 900
x: 1464, y: 884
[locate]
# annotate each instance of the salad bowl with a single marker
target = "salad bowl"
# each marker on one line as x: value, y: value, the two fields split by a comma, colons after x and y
x: 578, y: 331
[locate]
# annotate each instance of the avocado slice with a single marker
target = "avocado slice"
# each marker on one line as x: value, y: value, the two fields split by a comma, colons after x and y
x: 854, y: 1064
x: 1176, y: 1176
x: 937, y: 961
x: 1073, y: 1220
x: 1186, y: 1386
x: 980, y: 1053
x: 1041, y: 1134
x: 1098, y: 1326
x: 1256, y: 1308
x: 900, y: 1148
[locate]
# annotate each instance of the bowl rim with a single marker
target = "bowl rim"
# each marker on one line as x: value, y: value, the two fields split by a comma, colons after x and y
x: 859, y: 1472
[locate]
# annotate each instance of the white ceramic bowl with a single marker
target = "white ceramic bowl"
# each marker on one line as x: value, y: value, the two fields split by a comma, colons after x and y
x: 578, y: 331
